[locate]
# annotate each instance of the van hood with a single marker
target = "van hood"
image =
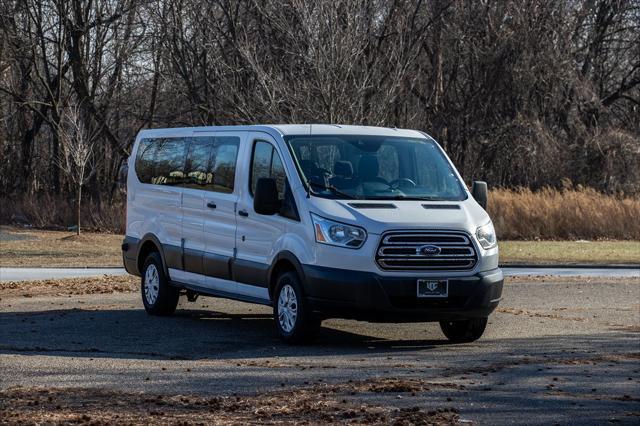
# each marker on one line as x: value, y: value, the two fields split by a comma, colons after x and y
x: 378, y: 216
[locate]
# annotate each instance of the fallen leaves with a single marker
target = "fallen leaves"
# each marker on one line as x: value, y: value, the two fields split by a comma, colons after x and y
x: 307, y: 405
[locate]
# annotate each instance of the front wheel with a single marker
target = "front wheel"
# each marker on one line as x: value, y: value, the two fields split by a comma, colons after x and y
x: 464, y: 331
x: 295, y: 321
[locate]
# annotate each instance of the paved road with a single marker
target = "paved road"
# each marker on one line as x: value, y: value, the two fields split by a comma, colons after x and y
x: 30, y: 274
x: 556, y: 352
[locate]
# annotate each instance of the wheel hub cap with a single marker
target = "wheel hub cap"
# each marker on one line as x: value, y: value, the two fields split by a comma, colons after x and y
x: 287, y: 308
x: 151, y: 284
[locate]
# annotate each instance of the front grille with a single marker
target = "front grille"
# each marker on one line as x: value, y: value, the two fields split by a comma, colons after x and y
x: 402, y: 251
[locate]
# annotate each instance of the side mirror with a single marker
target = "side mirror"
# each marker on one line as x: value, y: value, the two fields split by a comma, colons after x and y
x: 480, y: 192
x: 265, y: 199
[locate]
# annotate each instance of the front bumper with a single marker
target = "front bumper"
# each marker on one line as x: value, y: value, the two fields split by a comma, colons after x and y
x: 372, y: 297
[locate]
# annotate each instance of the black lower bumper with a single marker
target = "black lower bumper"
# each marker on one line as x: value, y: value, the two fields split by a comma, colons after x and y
x: 372, y: 297
x: 129, y: 255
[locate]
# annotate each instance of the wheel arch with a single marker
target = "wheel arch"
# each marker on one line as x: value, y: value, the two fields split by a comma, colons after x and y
x: 284, y: 261
x: 150, y: 243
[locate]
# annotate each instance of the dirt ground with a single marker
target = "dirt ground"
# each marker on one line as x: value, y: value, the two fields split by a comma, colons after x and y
x: 320, y: 404
x: 38, y: 248
x: 82, y: 351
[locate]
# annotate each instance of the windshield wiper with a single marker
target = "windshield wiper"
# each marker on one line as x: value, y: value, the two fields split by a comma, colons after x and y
x: 333, y: 189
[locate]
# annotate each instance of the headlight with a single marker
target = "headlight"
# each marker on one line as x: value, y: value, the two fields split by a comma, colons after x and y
x: 337, y: 234
x: 486, y: 236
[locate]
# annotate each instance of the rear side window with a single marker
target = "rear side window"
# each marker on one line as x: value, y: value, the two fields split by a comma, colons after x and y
x: 211, y: 163
x: 145, y: 164
x: 160, y: 161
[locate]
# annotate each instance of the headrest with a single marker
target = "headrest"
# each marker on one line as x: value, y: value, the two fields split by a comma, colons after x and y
x: 368, y: 167
x: 343, y: 168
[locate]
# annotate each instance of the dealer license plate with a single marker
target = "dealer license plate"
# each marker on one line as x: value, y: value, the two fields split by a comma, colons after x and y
x: 433, y: 288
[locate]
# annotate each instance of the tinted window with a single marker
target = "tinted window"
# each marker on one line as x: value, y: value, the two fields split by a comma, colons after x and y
x: 211, y: 163
x: 199, y: 163
x: 170, y: 162
x: 145, y: 164
x: 267, y: 164
x: 224, y: 166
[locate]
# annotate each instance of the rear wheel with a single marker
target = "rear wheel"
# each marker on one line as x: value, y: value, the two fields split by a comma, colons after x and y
x: 464, y: 331
x: 295, y: 321
x: 158, y: 296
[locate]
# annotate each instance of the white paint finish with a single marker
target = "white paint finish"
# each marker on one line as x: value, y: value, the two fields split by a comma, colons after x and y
x: 219, y: 232
x: 257, y: 236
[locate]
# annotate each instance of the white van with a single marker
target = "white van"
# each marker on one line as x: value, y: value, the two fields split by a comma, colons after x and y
x: 318, y: 221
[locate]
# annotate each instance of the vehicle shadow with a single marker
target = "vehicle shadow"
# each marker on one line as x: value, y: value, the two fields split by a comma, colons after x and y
x: 189, y: 334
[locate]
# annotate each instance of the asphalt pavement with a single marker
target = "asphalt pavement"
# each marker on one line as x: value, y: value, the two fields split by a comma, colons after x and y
x: 555, y: 352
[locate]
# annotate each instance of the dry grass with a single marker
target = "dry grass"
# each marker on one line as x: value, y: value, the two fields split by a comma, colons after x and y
x: 56, y: 248
x: 550, y: 214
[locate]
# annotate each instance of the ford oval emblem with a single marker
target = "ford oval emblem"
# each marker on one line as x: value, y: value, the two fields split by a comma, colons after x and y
x: 429, y: 250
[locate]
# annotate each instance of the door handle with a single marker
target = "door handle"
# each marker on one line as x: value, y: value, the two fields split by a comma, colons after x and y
x: 211, y: 205
x: 243, y: 213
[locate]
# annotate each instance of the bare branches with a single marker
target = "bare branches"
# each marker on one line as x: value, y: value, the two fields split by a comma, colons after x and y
x: 517, y: 92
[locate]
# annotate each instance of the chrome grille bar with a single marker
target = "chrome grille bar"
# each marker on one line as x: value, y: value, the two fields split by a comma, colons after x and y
x: 401, y: 251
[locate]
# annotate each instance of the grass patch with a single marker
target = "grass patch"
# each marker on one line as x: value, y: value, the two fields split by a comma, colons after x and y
x: 570, y: 252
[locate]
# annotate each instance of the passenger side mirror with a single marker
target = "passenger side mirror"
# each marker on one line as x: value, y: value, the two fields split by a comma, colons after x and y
x: 265, y: 199
x: 480, y: 193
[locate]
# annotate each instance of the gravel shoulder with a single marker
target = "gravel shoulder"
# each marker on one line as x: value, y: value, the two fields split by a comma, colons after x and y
x: 556, y: 351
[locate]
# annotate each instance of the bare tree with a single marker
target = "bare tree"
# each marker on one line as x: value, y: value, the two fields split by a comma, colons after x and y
x: 76, y: 156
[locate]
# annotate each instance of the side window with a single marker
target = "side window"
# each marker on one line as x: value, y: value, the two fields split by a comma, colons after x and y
x: 199, y: 163
x: 224, y: 165
x: 145, y: 164
x: 278, y: 173
x: 267, y: 164
x: 211, y: 163
x: 170, y: 162
x: 260, y: 163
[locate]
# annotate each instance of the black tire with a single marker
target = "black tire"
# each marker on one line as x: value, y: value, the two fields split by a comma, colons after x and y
x: 464, y: 331
x: 306, y: 324
x: 166, y: 296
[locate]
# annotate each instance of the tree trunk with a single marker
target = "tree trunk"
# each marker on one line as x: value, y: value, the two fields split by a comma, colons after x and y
x: 78, y: 209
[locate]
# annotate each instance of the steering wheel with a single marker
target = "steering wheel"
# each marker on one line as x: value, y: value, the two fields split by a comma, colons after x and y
x: 402, y: 183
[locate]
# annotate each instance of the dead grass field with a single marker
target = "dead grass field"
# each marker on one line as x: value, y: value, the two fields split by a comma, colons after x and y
x: 37, y: 248
x: 569, y: 214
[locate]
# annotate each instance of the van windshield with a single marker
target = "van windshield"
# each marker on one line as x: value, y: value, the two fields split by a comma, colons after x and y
x: 375, y: 168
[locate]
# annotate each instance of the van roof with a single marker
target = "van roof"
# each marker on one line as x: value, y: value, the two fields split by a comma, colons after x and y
x: 295, y: 129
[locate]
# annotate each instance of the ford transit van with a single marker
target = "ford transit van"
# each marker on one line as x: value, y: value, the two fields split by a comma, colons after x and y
x: 317, y: 221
